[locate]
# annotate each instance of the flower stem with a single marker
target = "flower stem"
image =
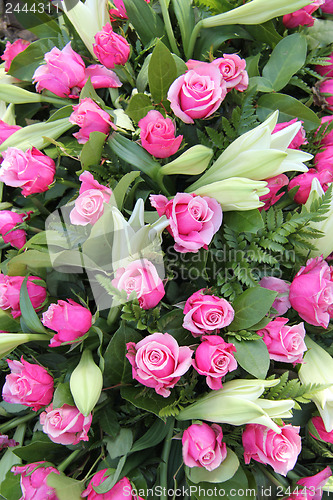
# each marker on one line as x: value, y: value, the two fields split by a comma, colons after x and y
x: 12, y: 424
x: 65, y: 463
x: 168, y: 27
x: 193, y: 39
x: 164, y: 464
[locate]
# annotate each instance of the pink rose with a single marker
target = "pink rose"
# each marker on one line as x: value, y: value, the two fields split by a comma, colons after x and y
x: 319, y: 426
x: 7, y: 443
x: 8, y: 221
x: 101, y: 77
x: 326, y: 70
x: 111, y: 49
x: 203, y: 447
x: 206, y: 313
x: 120, y: 10
x: 193, y: 219
x: 69, y: 319
x: 90, y: 118
x: 324, y: 159
x: 282, y: 302
x: 311, y: 488
x: 33, y: 171
x: 274, y: 185
x: 34, y: 481
x: 10, y: 287
x: 266, y: 446
x: 304, y: 181
x: 311, y: 292
x: 157, y: 135
x: 12, y: 50
x: 65, y: 425
x: 120, y: 491
x: 158, y: 362
x: 198, y: 93
x: 7, y: 130
x: 327, y: 7
x: 300, y: 137
x: 214, y: 358
x: 284, y: 343
x: 326, y: 87
x: 302, y: 17
x: 327, y: 140
x: 232, y: 69
x: 28, y: 384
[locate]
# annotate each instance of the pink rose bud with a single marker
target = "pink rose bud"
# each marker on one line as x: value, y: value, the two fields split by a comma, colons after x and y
x: 232, y: 69
x: 65, y: 425
x: 10, y: 287
x: 319, y: 426
x: 311, y: 488
x: 281, y: 303
x: 7, y: 443
x: 193, y: 219
x: 274, y: 185
x: 324, y: 159
x: 326, y: 87
x: 111, y: 49
x: 120, y: 491
x: 311, y: 292
x: 141, y: 277
x: 327, y: 140
x: 326, y: 70
x: 8, y: 221
x: 304, y: 181
x: 34, y: 481
x: 198, y: 93
x: 7, y: 130
x: 119, y: 11
x: 214, y: 358
x: 33, y: 171
x: 28, y: 384
x: 266, y: 446
x: 206, y: 313
x: 302, y: 17
x: 157, y: 135
x: 203, y: 447
x: 158, y: 362
x: 101, y: 77
x: 284, y: 343
x: 327, y: 7
x: 300, y: 137
x: 90, y: 118
x: 69, y: 319
x: 12, y: 50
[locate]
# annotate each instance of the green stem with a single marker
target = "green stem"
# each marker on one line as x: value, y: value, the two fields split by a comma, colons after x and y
x: 168, y: 27
x: 40, y: 206
x: 65, y: 463
x: 271, y: 477
x: 16, y: 421
x: 1, y: 190
x: 164, y: 463
x: 113, y: 315
x: 193, y: 39
x: 159, y: 180
x: 65, y: 182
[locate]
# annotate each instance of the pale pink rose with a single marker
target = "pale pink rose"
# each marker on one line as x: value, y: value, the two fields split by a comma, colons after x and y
x: 119, y: 11
x: 311, y: 292
x: 69, y: 319
x: 10, y: 287
x: 232, y: 69
x: 304, y: 181
x: 203, y: 447
x: 65, y: 425
x: 158, y: 362
x: 274, y: 185
x: 326, y: 87
x: 319, y: 426
x: 198, y: 93
x: 326, y: 70
x: 110, y: 48
x: 31, y: 170
x: 157, y: 135
x: 8, y: 221
x: 28, y: 384
x: 193, y: 219
x: 101, y: 77
x: 34, y: 481
x: 327, y: 140
x: 12, y: 50
x: 7, y: 443
x: 282, y: 302
x: 300, y: 137
x: 302, y: 17
x: 214, y: 358
x: 7, y: 130
x: 327, y: 7
x: 206, y: 313
x: 324, y: 159
x: 284, y: 343
x: 266, y: 446
x: 90, y: 118
x: 120, y: 491
x: 311, y: 488
x: 141, y: 277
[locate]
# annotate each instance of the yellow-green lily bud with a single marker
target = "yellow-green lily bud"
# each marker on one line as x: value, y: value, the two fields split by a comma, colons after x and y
x: 324, y: 244
x: 86, y: 383
x: 7, y: 113
x: 9, y: 341
x: 193, y: 162
x: 16, y: 95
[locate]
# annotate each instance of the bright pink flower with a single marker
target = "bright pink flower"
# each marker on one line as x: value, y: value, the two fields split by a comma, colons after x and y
x: 8, y: 221
x: 206, y: 313
x: 214, y: 358
x: 324, y: 159
x: 326, y: 87
x: 7, y: 130
x: 10, y: 287
x: 274, y: 185
x: 158, y: 362
x: 34, y: 481
x: 266, y: 446
x: 327, y: 7
x: 119, y: 11
x: 141, y: 277
x: 28, y: 384
x: 311, y: 487
x: 311, y: 292
x: 326, y: 70
x: 319, y: 426
x: 302, y: 17
x: 120, y: 491
x: 284, y: 343
x: 300, y: 137
x: 65, y: 425
x: 198, y: 93
x: 282, y: 302
x: 7, y: 443
x: 203, y: 447
x: 90, y: 118
x: 327, y: 140
x: 157, y: 135
x: 69, y: 319
x: 12, y: 50
x: 101, y: 77
x: 31, y: 170
x: 304, y: 181
x: 110, y: 48
x: 232, y: 69
x: 193, y: 219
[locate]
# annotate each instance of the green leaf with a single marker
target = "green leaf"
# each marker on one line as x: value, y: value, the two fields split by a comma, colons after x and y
x: 139, y: 106
x: 146, y: 401
x: 261, y: 84
x: 8, y: 323
x: 108, y: 421
x: 210, y: 39
x: 251, y: 306
x: 66, y: 488
x: 112, y: 477
x: 121, y: 188
x: 253, y: 356
x: 162, y: 72
x: 153, y: 436
x: 29, y: 315
x: 249, y: 221
x: 121, y: 444
x: 172, y: 322
x: 63, y: 112
x: 224, y: 472
x: 265, y: 33
x: 10, y: 488
x: 92, y: 150
x: 146, y: 22
x: 62, y: 396
x: 25, y: 63
x: 286, y: 59
x: 31, y: 259
x: 89, y: 91
x: 184, y: 13
x: 40, y: 450
x: 40, y: 23
x: 252, y: 63
x: 320, y: 34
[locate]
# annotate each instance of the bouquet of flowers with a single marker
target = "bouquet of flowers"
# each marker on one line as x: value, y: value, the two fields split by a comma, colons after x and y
x: 166, y: 212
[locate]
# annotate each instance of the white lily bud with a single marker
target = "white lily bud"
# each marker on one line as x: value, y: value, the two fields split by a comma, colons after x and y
x: 86, y: 383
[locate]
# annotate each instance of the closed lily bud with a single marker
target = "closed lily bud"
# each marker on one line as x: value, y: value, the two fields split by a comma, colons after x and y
x: 86, y: 383
x: 193, y: 162
x: 9, y: 341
